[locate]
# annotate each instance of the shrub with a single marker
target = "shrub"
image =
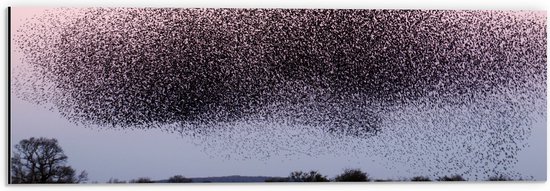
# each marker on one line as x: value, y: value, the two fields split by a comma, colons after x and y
x: 311, y: 176
x: 420, y: 179
x: 500, y: 178
x: 142, y: 180
x: 179, y: 179
x: 452, y: 178
x: 352, y: 175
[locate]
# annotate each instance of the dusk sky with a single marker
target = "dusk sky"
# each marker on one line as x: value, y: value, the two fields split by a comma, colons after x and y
x: 308, y: 120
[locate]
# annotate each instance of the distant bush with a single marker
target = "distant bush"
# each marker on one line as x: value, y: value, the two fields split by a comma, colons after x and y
x: 420, y: 179
x: 179, y: 179
x: 384, y: 180
x: 500, y: 178
x: 115, y: 181
x: 142, y: 180
x: 452, y: 178
x: 352, y: 175
x: 276, y: 179
x: 311, y: 176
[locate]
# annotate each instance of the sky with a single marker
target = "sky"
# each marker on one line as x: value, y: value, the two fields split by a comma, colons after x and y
x: 131, y: 153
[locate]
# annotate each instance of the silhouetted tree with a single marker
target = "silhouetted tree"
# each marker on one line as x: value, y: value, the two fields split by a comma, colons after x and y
x: 452, y: 178
x: 142, y: 180
x: 311, y: 176
x: 41, y: 160
x: 352, y: 175
x: 179, y: 179
x: 500, y: 178
x: 420, y: 179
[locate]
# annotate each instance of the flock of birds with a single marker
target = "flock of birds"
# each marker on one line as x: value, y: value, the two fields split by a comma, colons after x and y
x: 430, y: 92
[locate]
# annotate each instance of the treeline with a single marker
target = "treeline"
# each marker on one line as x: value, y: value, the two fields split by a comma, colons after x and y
x: 356, y: 175
x: 173, y: 179
x: 349, y: 175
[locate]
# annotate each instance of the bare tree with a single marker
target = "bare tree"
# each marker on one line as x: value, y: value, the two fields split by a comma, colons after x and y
x: 41, y: 160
